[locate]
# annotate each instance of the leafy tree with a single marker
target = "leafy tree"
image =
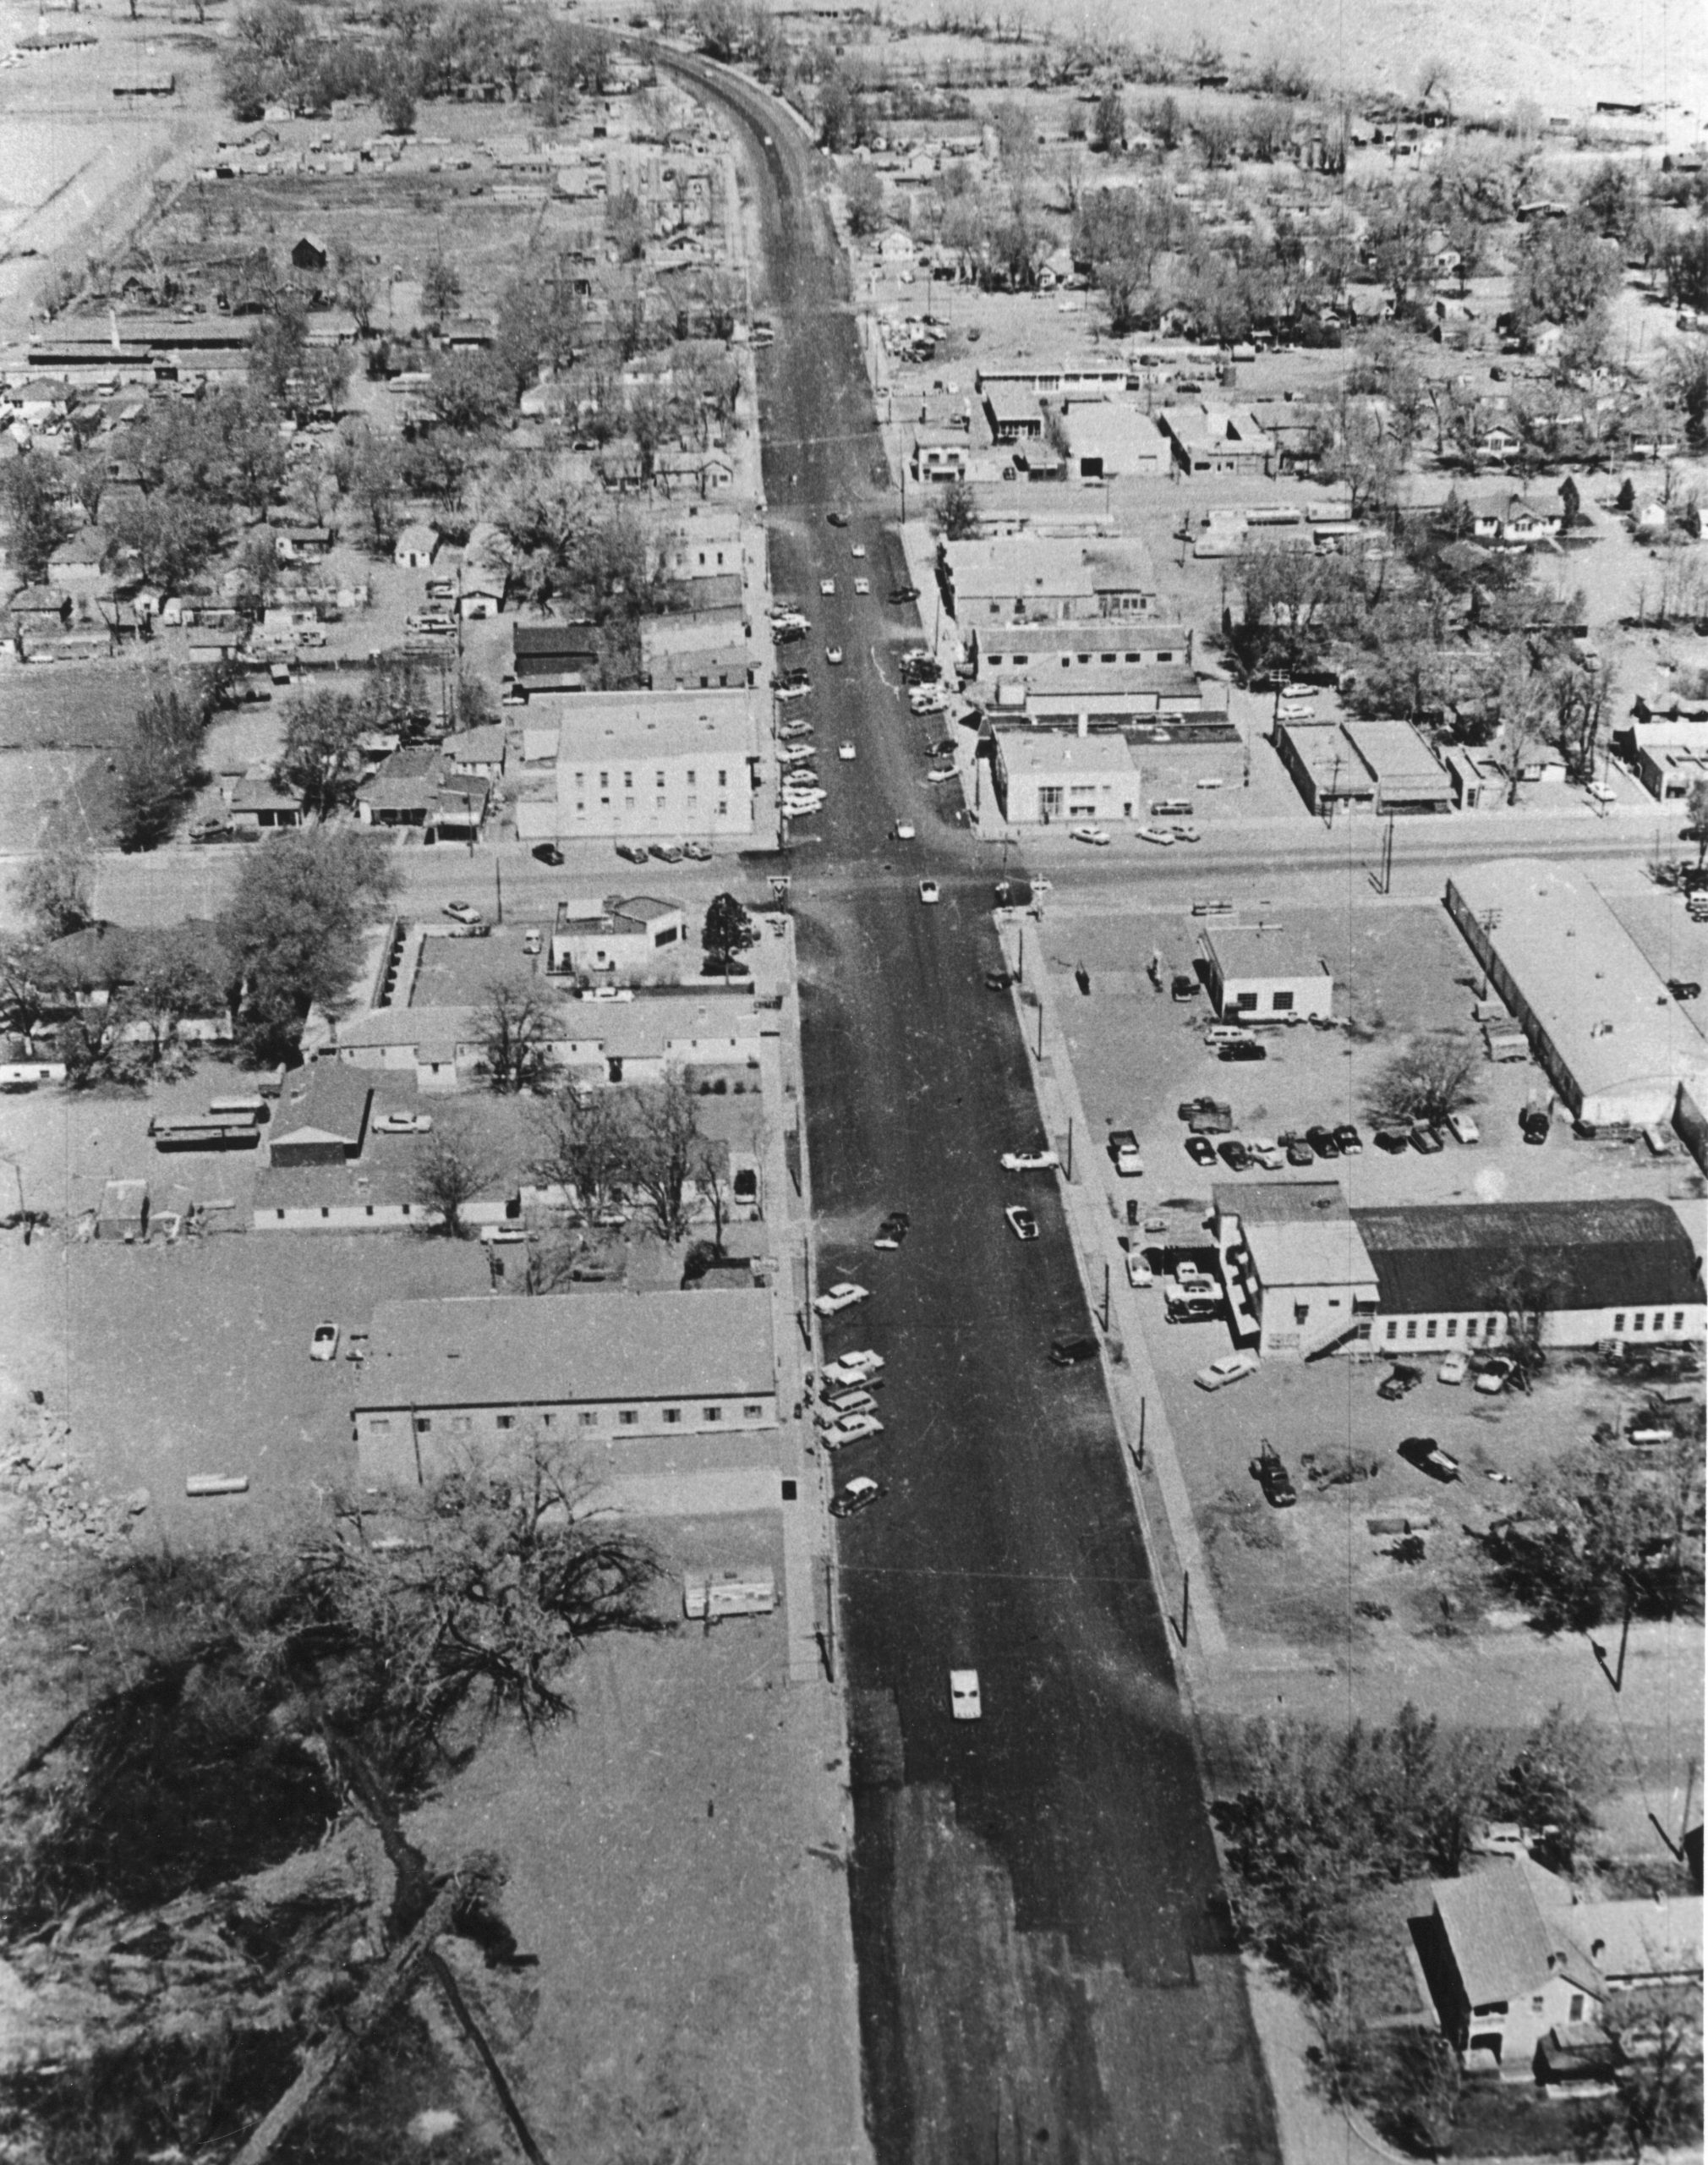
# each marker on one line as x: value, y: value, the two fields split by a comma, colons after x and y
x: 36, y: 520
x: 1408, y: 2080
x: 955, y: 514
x: 665, y: 1149
x: 585, y: 1146
x: 515, y: 1025
x: 863, y: 193
x: 451, y: 1171
x: 1655, y: 2102
x: 1563, y: 273
x: 172, y: 536
x: 441, y: 289
x: 1594, y: 1530
x: 293, y: 928
x: 1697, y: 803
x: 1612, y: 201
x: 176, y: 983
x: 159, y: 766
x: 279, y: 348
x: 728, y: 933
x: 91, y: 1044
x: 1547, y: 1786
x: 54, y: 890
x: 397, y: 106
x: 321, y: 757
x: 372, y: 491
x: 1432, y: 1075
x: 468, y: 393
x: 1684, y: 264
x: 32, y: 985
x: 1108, y: 127
x: 1686, y: 380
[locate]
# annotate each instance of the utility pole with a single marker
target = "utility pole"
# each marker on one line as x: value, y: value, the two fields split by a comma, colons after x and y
x: 1070, y: 1117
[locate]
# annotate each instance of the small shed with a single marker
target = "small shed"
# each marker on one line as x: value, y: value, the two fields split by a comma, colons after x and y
x: 309, y: 252
x: 418, y: 545
x: 123, y: 1212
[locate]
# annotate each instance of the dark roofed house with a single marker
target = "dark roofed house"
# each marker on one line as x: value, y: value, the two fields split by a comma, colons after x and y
x: 400, y: 792
x: 556, y: 650
x: 322, y: 1118
x: 309, y: 252
x: 40, y: 608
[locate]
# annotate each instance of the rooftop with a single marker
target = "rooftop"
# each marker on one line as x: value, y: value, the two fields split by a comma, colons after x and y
x: 1586, y: 981
x: 1024, y: 750
x: 1395, y: 755
x: 1008, y: 564
x: 1303, y: 1252
x: 1134, y: 638
x: 657, y: 725
x: 691, y: 631
x: 588, y: 1347
x: 1505, y: 1926
x: 1243, y: 952
x: 1260, y: 1202
x: 1442, y: 1259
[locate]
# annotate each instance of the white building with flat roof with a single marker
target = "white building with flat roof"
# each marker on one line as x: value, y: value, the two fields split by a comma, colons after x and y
x: 1045, y: 776
x: 650, y: 765
x: 1615, y: 1045
x: 1261, y: 973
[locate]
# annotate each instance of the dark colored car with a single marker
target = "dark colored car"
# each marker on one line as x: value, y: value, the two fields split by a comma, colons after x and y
x: 1270, y: 1474
x: 1350, y: 1141
x: 1393, y: 1140
x: 1184, y: 986
x: 1299, y: 1151
x: 1201, y: 1150
x: 788, y: 679
x: 837, y: 517
x: 944, y: 748
x: 667, y: 852
x: 1426, y: 1142
x: 1067, y: 1352
x: 999, y: 980
x: 1428, y: 1457
x: 1683, y: 988
x: 548, y: 852
x: 1188, y: 1106
x: 1246, y: 1050
x: 1404, y: 1378
x: 630, y: 855
x: 900, y: 593
x: 1322, y: 1141
x: 1235, y: 1156
x: 893, y: 1231
x: 1535, y: 1125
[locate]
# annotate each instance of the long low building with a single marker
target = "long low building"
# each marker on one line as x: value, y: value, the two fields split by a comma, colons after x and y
x: 1384, y: 764
x: 447, y: 1378
x: 1599, y: 1018
x: 1044, y: 777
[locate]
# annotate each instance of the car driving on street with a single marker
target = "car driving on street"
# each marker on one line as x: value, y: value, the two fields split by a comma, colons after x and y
x: 1020, y: 1222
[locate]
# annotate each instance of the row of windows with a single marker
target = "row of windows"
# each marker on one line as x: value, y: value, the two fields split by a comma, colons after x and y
x: 587, y: 1416
x: 1488, y: 1326
x: 660, y: 780
x: 1019, y: 660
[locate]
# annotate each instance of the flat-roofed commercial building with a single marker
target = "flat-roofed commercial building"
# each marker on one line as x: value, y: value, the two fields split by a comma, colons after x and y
x: 1614, y: 1044
x: 1456, y: 1273
x: 1406, y: 775
x: 1013, y: 414
x: 1045, y: 777
x: 1045, y: 578
x: 447, y: 1377
x: 1324, y: 769
x: 1048, y: 654
x: 1300, y: 1279
x: 649, y: 763
x: 1108, y: 441
x: 1260, y: 974
x: 1218, y: 440
x: 699, y: 649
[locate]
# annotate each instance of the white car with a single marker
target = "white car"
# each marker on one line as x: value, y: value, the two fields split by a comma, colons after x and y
x: 1187, y: 835
x: 1296, y: 710
x: 928, y: 891
x: 846, y: 751
x: 462, y: 912
x: 1029, y: 1161
x: 925, y: 703
x: 833, y: 654
x: 850, y: 1369
x: 854, y: 1429
x: 1227, y: 1370
x: 827, y: 586
x: 1020, y: 1222
x: 845, y: 1294
x: 1463, y: 1128
x: 324, y: 1344
x: 862, y: 586
x: 533, y: 941
x: 858, y: 549
x: 1494, y: 1378
x: 1455, y: 1369
x: 841, y: 1403
x: 1159, y: 836
x: 1266, y: 1154
x: 941, y: 774
x: 1139, y: 1272
x: 402, y: 1123
x: 904, y: 830
x: 1599, y: 793
x: 964, y: 1700
x: 1098, y: 837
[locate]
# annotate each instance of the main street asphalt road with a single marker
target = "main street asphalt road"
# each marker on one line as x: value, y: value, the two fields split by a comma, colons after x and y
x: 1042, y: 1971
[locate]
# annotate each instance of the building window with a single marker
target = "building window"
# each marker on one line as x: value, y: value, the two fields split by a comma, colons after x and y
x: 1574, y: 2012
x: 1411, y: 1327
x: 1392, y: 1328
x: 723, y: 777
x: 424, y: 1423
x: 1282, y: 1002
x: 370, y: 1209
x: 690, y: 777
x: 791, y: 1491
x: 1245, y: 1002
x: 605, y: 779
x: 587, y: 1420
x: 1677, y: 1319
x: 673, y: 1415
x: 711, y: 1413
x: 660, y: 783
x: 1535, y: 2003
x: 1619, y: 1321
x: 381, y: 1425
x: 628, y: 1418
x: 753, y: 1412
x: 1453, y: 1326
x: 1636, y: 1320
x: 628, y: 778
x: 460, y: 1424
x: 324, y: 1212
x: 1659, y: 1320
x: 506, y: 1420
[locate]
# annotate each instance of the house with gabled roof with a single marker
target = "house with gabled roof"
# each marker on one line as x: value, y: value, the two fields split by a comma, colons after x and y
x: 322, y: 1118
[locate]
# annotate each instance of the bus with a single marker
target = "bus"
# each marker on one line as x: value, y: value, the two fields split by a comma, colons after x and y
x: 207, y: 1131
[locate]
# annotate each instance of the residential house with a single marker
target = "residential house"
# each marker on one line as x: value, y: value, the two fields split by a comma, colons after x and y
x: 1501, y: 520
x: 937, y: 457
x: 896, y: 248
x: 698, y: 544
x: 259, y: 801
x: 679, y: 472
x: 1012, y: 414
x: 636, y: 937
x: 309, y: 252
x: 77, y: 566
x: 322, y: 1117
x: 418, y: 545
x: 554, y: 656
x: 477, y: 754
x: 1513, y: 1958
x: 39, y: 610
x: 411, y: 788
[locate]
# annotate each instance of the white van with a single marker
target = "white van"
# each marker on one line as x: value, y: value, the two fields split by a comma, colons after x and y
x: 1463, y: 1128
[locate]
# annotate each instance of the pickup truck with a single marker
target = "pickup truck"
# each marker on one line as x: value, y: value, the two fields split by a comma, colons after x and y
x: 1124, y: 1151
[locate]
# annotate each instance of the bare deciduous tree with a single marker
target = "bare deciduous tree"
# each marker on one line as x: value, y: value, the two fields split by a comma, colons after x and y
x: 1426, y: 1080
